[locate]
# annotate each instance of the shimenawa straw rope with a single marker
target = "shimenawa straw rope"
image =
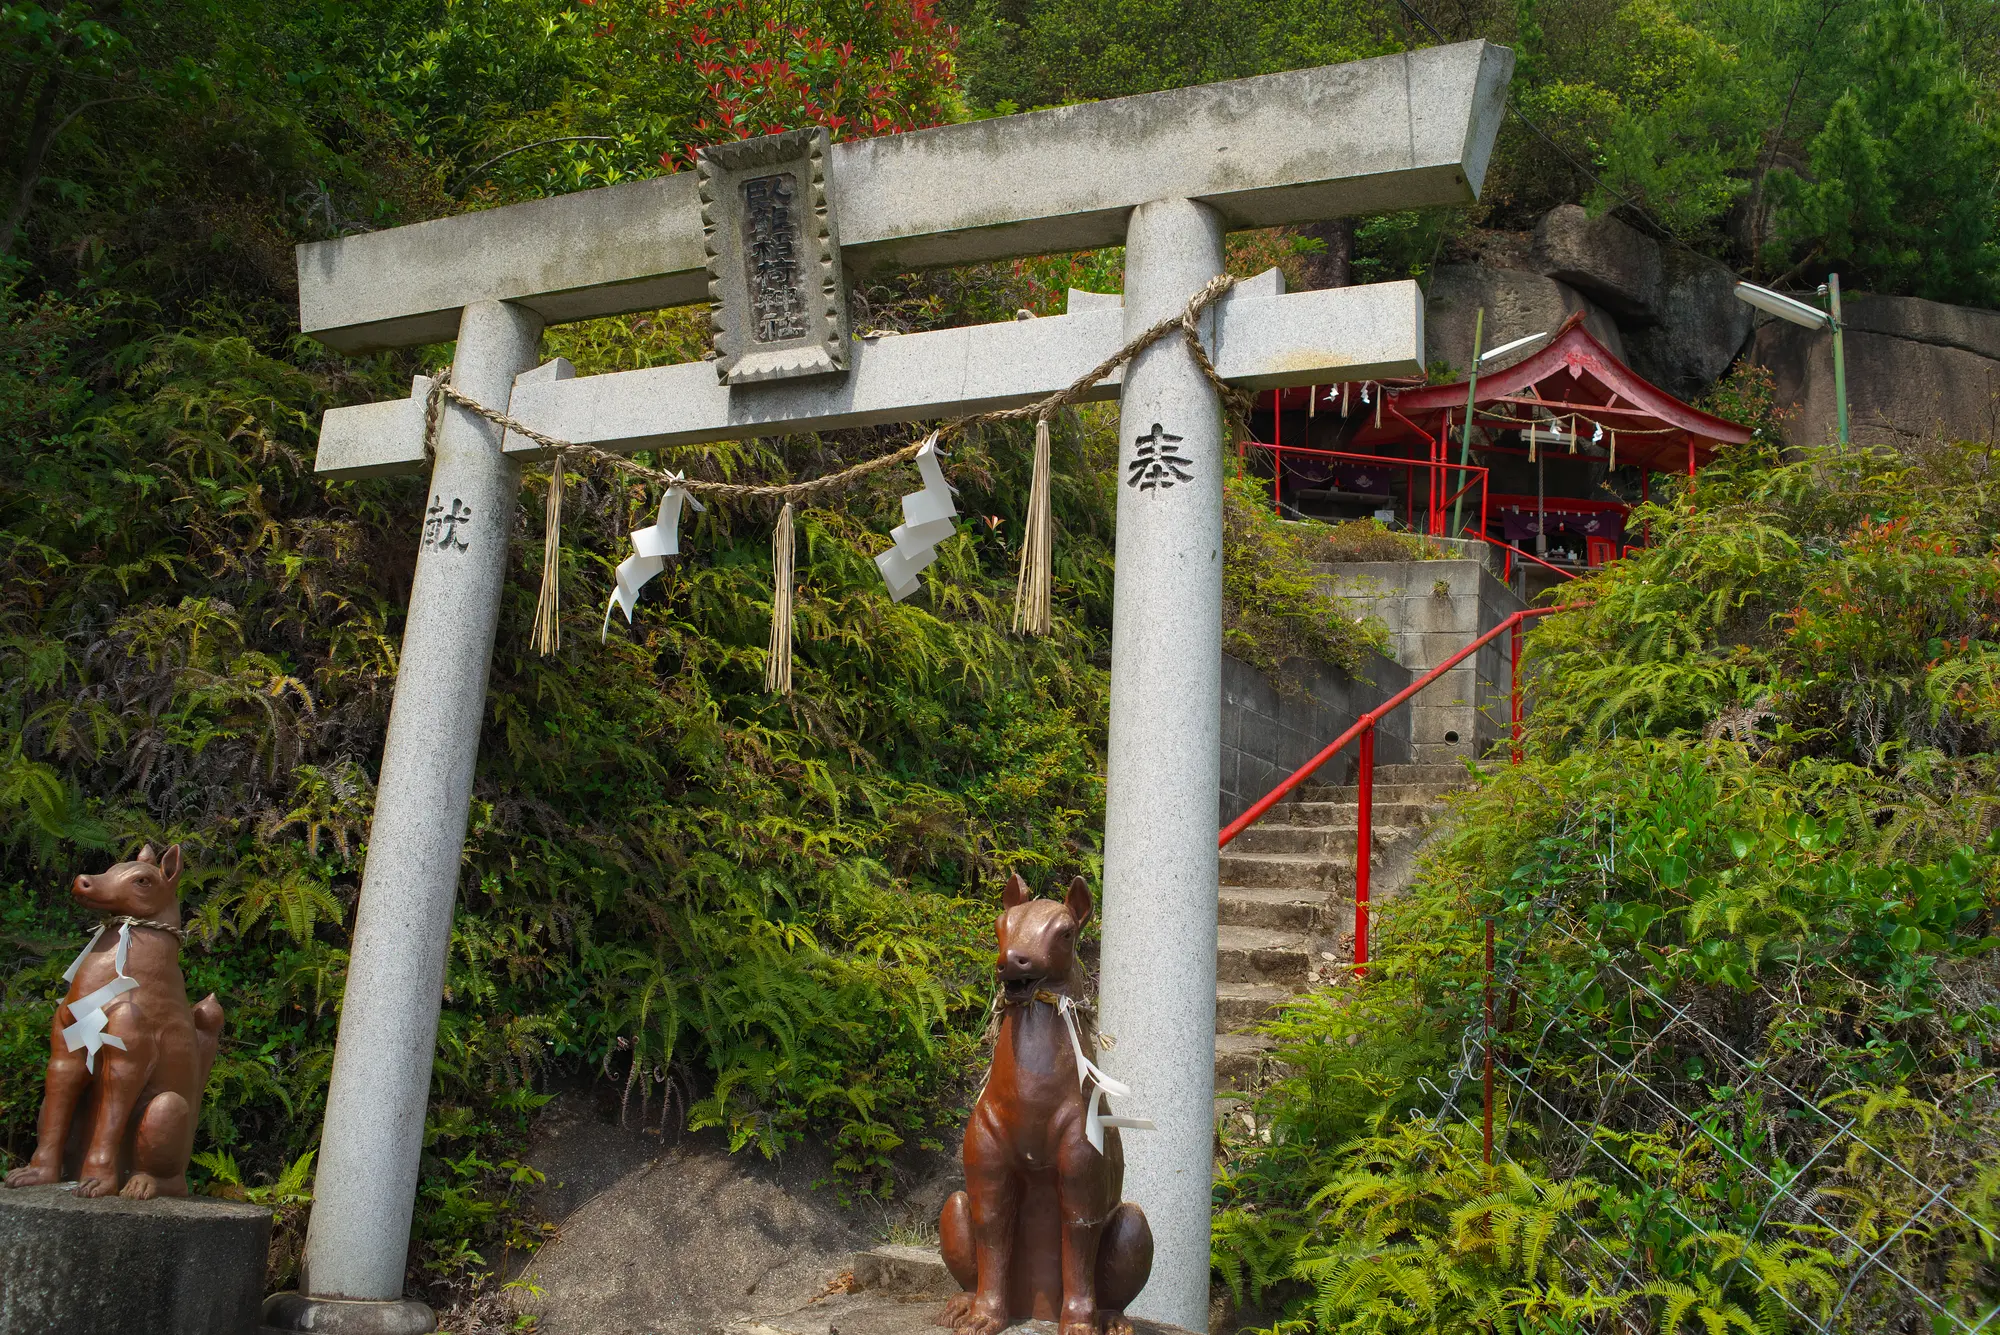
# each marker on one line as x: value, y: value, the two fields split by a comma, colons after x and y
x: 1186, y: 322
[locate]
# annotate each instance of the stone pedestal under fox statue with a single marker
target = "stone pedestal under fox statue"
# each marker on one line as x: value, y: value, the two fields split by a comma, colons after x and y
x: 1040, y: 1233
x: 128, y: 1057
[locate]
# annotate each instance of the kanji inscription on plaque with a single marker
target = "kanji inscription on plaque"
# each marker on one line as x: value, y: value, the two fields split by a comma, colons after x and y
x: 771, y: 258
x: 777, y: 301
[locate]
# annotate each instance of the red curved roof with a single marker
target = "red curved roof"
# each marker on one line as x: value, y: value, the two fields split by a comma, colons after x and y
x: 1574, y: 376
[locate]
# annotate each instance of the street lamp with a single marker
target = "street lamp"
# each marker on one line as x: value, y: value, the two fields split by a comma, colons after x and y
x: 1811, y: 317
x: 1506, y: 348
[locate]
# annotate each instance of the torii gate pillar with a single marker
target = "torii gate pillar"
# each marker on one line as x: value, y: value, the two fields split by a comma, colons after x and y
x: 365, y: 1188
x: 1156, y: 994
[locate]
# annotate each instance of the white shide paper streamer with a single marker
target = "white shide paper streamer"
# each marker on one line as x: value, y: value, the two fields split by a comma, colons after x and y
x: 1095, y: 1122
x: 650, y: 549
x: 88, y: 1031
x: 927, y: 517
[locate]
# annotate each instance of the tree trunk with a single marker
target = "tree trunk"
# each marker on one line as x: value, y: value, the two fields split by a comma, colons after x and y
x: 30, y: 174
x: 1333, y: 266
x: 13, y: 117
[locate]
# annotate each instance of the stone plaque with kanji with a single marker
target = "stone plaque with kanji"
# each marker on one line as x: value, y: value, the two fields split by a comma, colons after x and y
x: 777, y: 301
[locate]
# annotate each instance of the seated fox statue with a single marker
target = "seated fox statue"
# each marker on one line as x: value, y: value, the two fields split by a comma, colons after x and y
x: 1039, y: 1233
x: 128, y: 1057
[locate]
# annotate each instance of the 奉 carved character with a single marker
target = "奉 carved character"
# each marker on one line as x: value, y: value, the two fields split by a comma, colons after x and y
x: 128, y: 1057
x: 1039, y: 1233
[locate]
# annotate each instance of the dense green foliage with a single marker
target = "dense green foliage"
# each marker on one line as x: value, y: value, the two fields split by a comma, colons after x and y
x: 1272, y: 609
x: 1744, y: 887
x: 1789, y: 137
x: 761, y: 914
x: 766, y: 915
x: 672, y: 877
x: 762, y: 910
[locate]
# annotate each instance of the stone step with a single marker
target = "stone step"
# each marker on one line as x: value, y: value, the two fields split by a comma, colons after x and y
x: 1271, y: 907
x: 1239, y: 1059
x: 1261, y: 955
x: 1452, y: 773
x: 1428, y: 794
x: 1286, y: 871
x: 1286, y: 900
x: 1241, y: 1005
x: 1345, y: 815
x: 1321, y: 839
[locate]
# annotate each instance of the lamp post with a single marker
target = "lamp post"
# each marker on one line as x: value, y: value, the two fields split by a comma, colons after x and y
x: 1810, y: 317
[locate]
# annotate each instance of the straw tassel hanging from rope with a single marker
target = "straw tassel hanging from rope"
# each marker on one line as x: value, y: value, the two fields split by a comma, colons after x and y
x: 778, y: 662
x: 547, y: 636
x: 1032, y: 588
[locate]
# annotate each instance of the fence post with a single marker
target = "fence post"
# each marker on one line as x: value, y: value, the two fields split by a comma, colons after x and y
x: 1487, y: 1047
x: 1364, y: 839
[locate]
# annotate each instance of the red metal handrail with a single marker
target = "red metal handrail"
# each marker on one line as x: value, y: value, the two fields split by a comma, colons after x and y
x: 1507, y: 570
x: 1364, y: 728
x: 1475, y: 475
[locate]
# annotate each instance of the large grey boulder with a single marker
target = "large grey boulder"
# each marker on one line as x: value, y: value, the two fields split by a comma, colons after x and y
x: 1601, y: 257
x: 894, y: 1291
x: 666, y: 1235
x: 168, y: 1266
x: 1916, y: 370
x: 1702, y: 326
x: 1516, y: 303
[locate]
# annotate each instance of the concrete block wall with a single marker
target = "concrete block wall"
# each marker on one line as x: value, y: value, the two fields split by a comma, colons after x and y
x: 1268, y: 732
x: 1432, y: 609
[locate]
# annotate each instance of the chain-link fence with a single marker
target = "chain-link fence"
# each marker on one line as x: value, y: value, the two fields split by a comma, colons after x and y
x: 1840, y: 1205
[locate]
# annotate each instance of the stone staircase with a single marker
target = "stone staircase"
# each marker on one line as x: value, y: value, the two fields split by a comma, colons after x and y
x: 1287, y: 899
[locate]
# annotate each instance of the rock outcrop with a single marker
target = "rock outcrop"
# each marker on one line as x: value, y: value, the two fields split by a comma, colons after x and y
x: 1699, y: 329
x: 1615, y: 265
x: 1670, y: 315
x: 1916, y: 370
x: 1517, y: 303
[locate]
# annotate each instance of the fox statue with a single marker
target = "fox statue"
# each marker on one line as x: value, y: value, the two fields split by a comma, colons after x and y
x: 128, y: 1057
x: 1040, y: 1233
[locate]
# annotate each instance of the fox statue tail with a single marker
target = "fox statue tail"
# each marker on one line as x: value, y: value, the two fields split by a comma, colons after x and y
x: 207, y: 1034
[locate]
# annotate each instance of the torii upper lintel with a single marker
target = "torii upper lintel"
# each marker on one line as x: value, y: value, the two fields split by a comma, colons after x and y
x: 1397, y: 132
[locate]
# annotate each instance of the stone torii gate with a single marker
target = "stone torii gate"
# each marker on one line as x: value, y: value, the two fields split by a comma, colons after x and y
x: 1166, y: 175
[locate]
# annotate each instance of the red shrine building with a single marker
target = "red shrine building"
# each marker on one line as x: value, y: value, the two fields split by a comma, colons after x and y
x: 1564, y: 442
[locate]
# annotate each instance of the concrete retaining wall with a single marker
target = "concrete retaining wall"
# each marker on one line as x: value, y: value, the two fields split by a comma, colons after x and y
x: 1433, y: 608
x: 1267, y: 733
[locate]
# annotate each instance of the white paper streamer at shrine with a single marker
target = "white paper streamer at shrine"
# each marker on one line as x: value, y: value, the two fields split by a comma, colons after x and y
x: 927, y: 517
x: 88, y: 1030
x: 650, y: 549
x: 1096, y: 1120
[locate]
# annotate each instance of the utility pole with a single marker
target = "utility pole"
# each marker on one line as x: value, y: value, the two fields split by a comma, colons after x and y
x: 1465, y: 436
x: 1839, y: 354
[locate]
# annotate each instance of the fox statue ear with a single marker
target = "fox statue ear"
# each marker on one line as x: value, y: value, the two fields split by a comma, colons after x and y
x: 1078, y: 900
x: 1017, y: 892
x: 146, y: 854
x: 170, y: 865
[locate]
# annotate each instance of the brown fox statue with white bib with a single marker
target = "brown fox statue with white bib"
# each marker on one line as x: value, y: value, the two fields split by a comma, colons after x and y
x: 128, y: 1057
